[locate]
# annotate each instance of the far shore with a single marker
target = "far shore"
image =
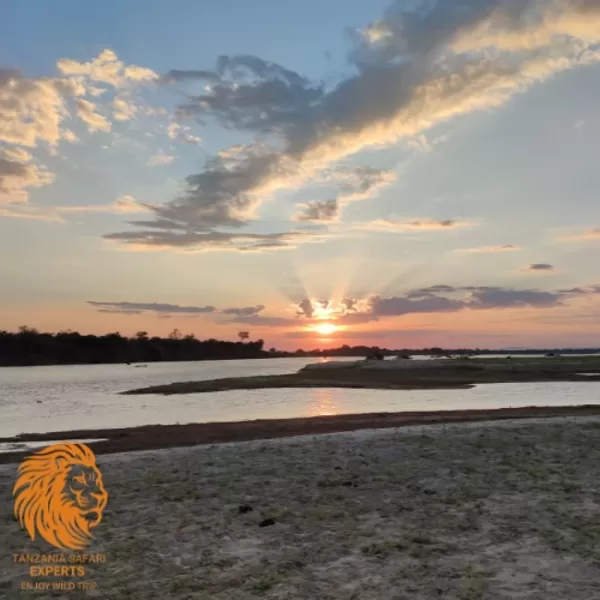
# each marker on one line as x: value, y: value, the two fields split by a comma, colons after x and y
x: 155, y: 437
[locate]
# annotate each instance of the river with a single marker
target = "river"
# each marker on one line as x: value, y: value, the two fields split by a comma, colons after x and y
x: 61, y: 398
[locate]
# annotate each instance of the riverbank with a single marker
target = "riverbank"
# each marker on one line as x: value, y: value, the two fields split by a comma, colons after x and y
x: 402, y: 375
x: 461, y: 512
x: 153, y: 437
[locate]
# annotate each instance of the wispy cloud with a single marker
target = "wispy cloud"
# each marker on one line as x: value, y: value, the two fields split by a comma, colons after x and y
x: 160, y: 159
x: 149, y: 307
x: 125, y: 204
x: 590, y: 234
x: 488, y: 249
x: 317, y: 211
x: 396, y: 225
x: 210, y: 241
x: 244, y: 311
x: 86, y: 111
x: 538, y: 268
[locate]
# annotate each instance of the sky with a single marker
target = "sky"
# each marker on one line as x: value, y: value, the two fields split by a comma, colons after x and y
x: 408, y: 174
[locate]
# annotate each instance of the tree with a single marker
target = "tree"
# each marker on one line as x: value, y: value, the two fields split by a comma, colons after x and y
x: 175, y: 334
x: 141, y: 335
x: 26, y: 330
x: 243, y: 335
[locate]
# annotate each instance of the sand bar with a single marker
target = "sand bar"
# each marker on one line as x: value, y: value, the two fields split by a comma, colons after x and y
x: 402, y: 374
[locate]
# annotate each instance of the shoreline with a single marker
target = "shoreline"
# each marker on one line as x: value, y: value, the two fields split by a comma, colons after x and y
x: 156, y: 437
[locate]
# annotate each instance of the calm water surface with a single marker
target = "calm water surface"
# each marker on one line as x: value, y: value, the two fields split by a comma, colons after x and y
x: 60, y: 398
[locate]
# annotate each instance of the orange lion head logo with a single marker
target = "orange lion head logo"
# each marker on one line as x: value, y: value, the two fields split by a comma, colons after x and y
x: 59, y: 495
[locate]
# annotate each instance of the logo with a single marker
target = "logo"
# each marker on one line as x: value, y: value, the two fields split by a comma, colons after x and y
x: 59, y: 495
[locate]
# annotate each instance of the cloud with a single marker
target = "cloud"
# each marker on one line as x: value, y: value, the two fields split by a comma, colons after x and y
x: 26, y: 211
x: 69, y: 136
x: 250, y: 93
x: 350, y: 312
x: 125, y: 204
x: 360, y: 183
x: 182, y: 133
x: 354, y: 183
x: 33, y: 112
x: 326, y: 210
x: 175, y: 76
x: 209, y: 240
x: 17, y: 154
x: 435, y: 300
x: 495, y: 297
x: 152, y: 307
x: 422, y: 144
x: 591, y: 234
x: 246, y: 311
x: 305, y: 308
x: 414, y: 225
x: 106, y: 68
x: 489, y: 249
x: 539, y: 267
x: 161, y: 159
x: 413, y: 69
x: 188, y: 138
x: 16, y: 178
x: 32, y: 109
x: 124, y: 109
x: 395, y: 306
x: 86, y: 111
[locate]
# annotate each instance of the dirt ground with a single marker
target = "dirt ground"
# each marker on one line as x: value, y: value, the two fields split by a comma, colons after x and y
x: 505, y: 510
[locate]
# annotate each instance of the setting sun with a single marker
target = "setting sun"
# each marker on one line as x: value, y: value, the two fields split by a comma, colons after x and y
x: 325, y: 328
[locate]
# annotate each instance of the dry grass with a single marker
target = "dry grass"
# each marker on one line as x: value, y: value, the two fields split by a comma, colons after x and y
x: 461, y: 512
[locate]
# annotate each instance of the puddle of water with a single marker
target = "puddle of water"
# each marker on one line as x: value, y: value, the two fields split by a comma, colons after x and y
x: 24, y: 446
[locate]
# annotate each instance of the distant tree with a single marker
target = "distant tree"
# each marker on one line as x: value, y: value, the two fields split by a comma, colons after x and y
x: 26, y: 330
x: 175, y: 334
x: 141, y: 336
x: 243, y: 335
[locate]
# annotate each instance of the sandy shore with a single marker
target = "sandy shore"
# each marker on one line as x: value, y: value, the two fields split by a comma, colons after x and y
x: 148, y: 437
x: 458, y: 512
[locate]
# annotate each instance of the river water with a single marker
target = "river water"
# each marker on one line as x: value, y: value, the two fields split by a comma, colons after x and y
x: 61, y: 398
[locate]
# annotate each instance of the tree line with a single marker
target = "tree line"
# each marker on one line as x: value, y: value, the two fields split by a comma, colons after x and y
x: 30, y: 347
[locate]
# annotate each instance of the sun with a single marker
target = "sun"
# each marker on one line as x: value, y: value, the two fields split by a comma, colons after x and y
x: 325, y: 328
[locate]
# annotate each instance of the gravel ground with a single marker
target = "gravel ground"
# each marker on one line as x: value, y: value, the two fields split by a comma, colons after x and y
x: 481, y: 511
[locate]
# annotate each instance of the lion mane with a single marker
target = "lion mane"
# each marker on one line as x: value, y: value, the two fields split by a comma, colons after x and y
x: 55, y: 489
